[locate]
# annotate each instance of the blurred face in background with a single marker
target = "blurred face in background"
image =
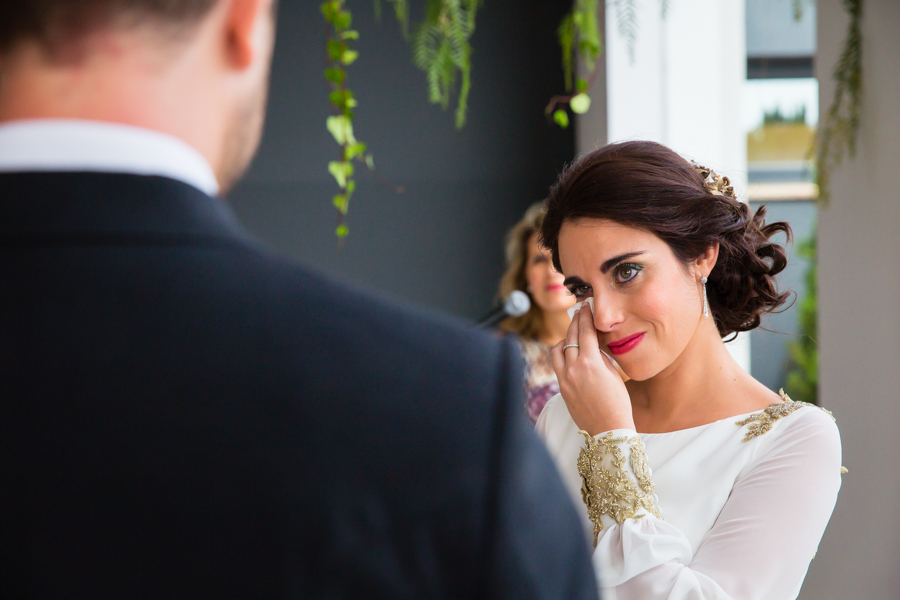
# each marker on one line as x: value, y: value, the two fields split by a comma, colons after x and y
x: 545, y: 284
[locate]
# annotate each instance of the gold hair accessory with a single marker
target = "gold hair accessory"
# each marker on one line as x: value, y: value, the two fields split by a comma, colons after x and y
x: 715, y: 184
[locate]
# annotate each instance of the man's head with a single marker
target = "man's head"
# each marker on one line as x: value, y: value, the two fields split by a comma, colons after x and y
x: 196, y: 69
x: 60, y: 25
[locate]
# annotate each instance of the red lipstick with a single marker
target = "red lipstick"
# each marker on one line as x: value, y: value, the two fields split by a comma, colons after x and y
x: 626, y: 345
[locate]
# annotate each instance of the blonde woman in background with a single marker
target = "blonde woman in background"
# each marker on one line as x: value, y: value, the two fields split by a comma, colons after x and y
x: 529, y: 269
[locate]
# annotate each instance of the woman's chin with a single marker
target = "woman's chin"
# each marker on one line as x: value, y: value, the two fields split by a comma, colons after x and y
x: 637, y: 371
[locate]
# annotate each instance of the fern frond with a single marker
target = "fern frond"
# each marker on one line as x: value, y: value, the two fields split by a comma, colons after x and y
x: 441, y: 49
x: 401, y: 11
x: 627, y: 23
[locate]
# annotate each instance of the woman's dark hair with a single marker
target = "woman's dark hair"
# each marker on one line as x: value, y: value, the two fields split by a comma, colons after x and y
x: 648, y: 186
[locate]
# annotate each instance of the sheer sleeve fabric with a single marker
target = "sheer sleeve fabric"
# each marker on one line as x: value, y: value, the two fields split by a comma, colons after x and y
x: 763, y: 540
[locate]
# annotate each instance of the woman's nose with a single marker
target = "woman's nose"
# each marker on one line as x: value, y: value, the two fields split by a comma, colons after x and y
x: 606, y: 314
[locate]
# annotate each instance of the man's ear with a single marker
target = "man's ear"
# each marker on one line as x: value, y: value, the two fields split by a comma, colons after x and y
x: 706, y: 262
x: 245, y: 22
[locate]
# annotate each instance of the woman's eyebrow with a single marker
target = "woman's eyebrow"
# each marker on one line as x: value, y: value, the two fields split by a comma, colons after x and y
x: 605, y: 267
x: 574, y: 280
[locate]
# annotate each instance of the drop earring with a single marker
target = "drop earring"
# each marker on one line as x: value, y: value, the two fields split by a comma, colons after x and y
x: 703, y: 280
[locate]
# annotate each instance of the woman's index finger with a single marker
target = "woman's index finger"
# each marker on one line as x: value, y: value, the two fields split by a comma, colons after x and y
x: 587, y: 334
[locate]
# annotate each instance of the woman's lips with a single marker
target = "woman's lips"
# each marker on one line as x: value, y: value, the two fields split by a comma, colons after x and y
x: 555, y: 288
x: 626, y: 345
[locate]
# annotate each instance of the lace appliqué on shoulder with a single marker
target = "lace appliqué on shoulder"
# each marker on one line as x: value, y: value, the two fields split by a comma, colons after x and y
x: 607, y: 487
x: 762, y: 422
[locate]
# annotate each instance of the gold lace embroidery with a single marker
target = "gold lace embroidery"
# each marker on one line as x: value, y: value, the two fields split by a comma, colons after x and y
x: 762, y: 422
x: 614, y: 492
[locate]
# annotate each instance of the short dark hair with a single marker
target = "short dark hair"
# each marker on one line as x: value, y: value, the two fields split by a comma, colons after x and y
x: 56, y: 24
x: 650, y: 187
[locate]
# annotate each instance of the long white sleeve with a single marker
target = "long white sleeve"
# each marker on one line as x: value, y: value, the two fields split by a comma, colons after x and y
x: 760, y: 544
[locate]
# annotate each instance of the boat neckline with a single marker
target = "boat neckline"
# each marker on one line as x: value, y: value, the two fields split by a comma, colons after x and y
x: 747, y: 414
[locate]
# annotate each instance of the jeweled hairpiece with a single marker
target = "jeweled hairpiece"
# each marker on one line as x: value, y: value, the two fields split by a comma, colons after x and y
x: 715, y: 184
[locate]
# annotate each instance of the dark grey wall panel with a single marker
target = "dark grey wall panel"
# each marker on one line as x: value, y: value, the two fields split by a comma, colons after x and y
x: 441, y: 242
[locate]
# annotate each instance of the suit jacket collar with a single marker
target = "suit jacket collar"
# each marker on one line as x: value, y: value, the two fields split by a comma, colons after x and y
x: 81, y: 204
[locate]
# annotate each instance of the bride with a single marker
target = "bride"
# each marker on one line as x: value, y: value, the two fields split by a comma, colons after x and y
x: 696, y: 481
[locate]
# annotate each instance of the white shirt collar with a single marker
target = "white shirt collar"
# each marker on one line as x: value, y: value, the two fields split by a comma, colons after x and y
x: 74, y: 145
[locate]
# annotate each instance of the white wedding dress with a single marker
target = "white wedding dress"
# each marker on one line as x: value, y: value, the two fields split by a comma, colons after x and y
x: 730, y: 510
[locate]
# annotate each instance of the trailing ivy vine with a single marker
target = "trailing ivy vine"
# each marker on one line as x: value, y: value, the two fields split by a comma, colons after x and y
x: 340, y: 125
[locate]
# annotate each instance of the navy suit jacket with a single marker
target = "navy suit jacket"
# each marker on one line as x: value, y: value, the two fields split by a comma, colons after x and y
x: 186, y: 414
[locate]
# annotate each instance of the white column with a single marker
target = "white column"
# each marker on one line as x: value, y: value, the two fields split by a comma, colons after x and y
x: 683, y: 88
x: 859, y: 317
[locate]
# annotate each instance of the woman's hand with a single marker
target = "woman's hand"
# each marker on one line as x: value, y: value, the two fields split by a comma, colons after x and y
x: 590, y: 384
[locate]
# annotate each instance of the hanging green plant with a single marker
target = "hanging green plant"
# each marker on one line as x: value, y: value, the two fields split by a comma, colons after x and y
x: 579, y: 36
x: 440, y: 45
x: 441, y: 49
x: 340, y: 125
x: 837, y: 135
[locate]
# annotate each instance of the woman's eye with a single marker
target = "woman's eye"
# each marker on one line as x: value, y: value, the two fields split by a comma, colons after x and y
x: 626, y: 273
x: 579, y: 291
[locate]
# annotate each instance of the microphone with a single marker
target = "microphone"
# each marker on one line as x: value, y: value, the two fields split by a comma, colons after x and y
x: 515, y: 305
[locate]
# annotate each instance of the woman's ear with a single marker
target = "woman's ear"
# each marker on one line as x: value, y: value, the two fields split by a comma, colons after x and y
x: 706, y: 262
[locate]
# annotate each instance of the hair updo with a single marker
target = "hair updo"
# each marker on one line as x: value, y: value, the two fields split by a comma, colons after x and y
x: 648, y: 186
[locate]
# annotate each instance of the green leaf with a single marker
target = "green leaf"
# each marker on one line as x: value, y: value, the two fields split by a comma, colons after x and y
x: 341, y: 128
x: 342, y: 20
x: 343, y: 99
x: 370, y: 162
x: 561, y: 118
x: 335, y: 49
x: 342, y: 231
x: 351, y: 187
x: 329, y: 9
x: 354, y: 150
x: 342, y: 203
x: 335, y: 75
x: 341, y: 171
x: 581, y: 86
x: 580, y: 103
x: 349, y: 57
x: 350, y: 34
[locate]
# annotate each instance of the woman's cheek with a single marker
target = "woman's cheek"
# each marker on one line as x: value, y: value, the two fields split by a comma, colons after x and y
x: 657, y: 308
